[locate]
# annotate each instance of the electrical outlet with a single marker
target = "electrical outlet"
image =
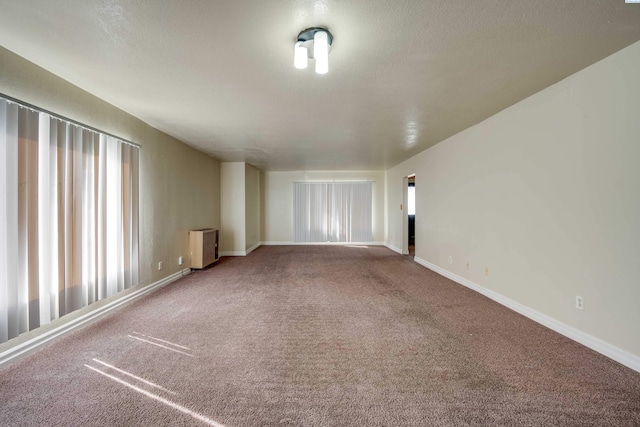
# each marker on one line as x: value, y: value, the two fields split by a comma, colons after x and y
x: 159, y: 265
x: 450, y: 259
x: 579, y: 302
x: 486, y: 271
x: 180, y: 260
x: 467, y: 265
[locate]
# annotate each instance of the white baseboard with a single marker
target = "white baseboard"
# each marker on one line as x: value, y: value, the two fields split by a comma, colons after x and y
x: 394, y: 248
x: 278, y: 243
x: 291, y: 243
x: 621, y: 356
x: 40, y: 340
x: 233, y: 253
x: 253, y: 248
x: 241, y: 253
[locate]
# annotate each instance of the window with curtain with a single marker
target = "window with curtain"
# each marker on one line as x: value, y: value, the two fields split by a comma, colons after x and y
x: 68, y: 217
x: 333, y: 211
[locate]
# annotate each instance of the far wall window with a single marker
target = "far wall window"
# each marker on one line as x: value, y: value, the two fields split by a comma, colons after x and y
x: 333, y: 212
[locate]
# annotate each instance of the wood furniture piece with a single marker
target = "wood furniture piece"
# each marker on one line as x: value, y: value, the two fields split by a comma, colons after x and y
x: 203, y: 245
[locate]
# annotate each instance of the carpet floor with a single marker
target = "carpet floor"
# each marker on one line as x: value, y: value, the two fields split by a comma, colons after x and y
x: 317, y: 336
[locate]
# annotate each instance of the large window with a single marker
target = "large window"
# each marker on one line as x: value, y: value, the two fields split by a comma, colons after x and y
x: 332, y: 211
x: 68, y: 217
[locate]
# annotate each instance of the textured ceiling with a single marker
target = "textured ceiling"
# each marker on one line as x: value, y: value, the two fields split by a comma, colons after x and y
x: 404, y: 75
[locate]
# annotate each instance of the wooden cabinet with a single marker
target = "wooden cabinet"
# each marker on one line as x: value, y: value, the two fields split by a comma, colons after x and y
x: 203, y: 245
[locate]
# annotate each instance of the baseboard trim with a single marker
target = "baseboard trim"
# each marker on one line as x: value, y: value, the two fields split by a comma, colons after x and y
x: 278, y: 243
x: 233, y: 253
x: 253, y: 248
x: 619, y: 355
x: 394, y: 248
x: 291, y: 243
x: 37, y: 342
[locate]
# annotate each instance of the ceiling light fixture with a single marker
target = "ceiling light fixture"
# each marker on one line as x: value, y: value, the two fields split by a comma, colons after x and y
x: 313, y: 43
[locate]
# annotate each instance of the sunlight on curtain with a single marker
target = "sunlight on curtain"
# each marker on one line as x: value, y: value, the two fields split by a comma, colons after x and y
x: 68, y: 217
x: 332, y: 211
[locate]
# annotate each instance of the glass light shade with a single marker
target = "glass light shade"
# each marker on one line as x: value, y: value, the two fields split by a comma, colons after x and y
x: 321, y: 52
x: 300, y: 56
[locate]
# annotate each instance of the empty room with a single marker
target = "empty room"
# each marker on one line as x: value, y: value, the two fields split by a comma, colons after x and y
x: 319, y: 212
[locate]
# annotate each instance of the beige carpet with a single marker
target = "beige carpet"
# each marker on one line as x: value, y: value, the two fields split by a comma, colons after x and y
x: 317, y: 336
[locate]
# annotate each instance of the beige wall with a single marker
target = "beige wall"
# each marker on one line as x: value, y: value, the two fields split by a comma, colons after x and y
x: 544, y: 194
x: 233, y: 229
x: 252, y: 207
x: 277, y: 189
x: 179, y: 186
x: 240, y: 199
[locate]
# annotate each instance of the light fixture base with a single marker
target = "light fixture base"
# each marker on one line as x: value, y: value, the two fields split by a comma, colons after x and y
x: 306, y: 39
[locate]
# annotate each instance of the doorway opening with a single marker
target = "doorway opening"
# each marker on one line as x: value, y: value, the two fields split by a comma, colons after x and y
x: 409, y: 214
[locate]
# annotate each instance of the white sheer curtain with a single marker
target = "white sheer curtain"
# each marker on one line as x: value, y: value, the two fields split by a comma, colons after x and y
x: 68, y: 217
x: 332, y: 211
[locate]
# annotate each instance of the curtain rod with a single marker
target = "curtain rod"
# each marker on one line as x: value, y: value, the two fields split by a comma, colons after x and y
x: 66, y: 119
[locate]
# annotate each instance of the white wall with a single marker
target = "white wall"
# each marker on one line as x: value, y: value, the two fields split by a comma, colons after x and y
x: 232, y: 208
x: 252, y: 207
x: 277, y: 200
x: 545, y: 194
